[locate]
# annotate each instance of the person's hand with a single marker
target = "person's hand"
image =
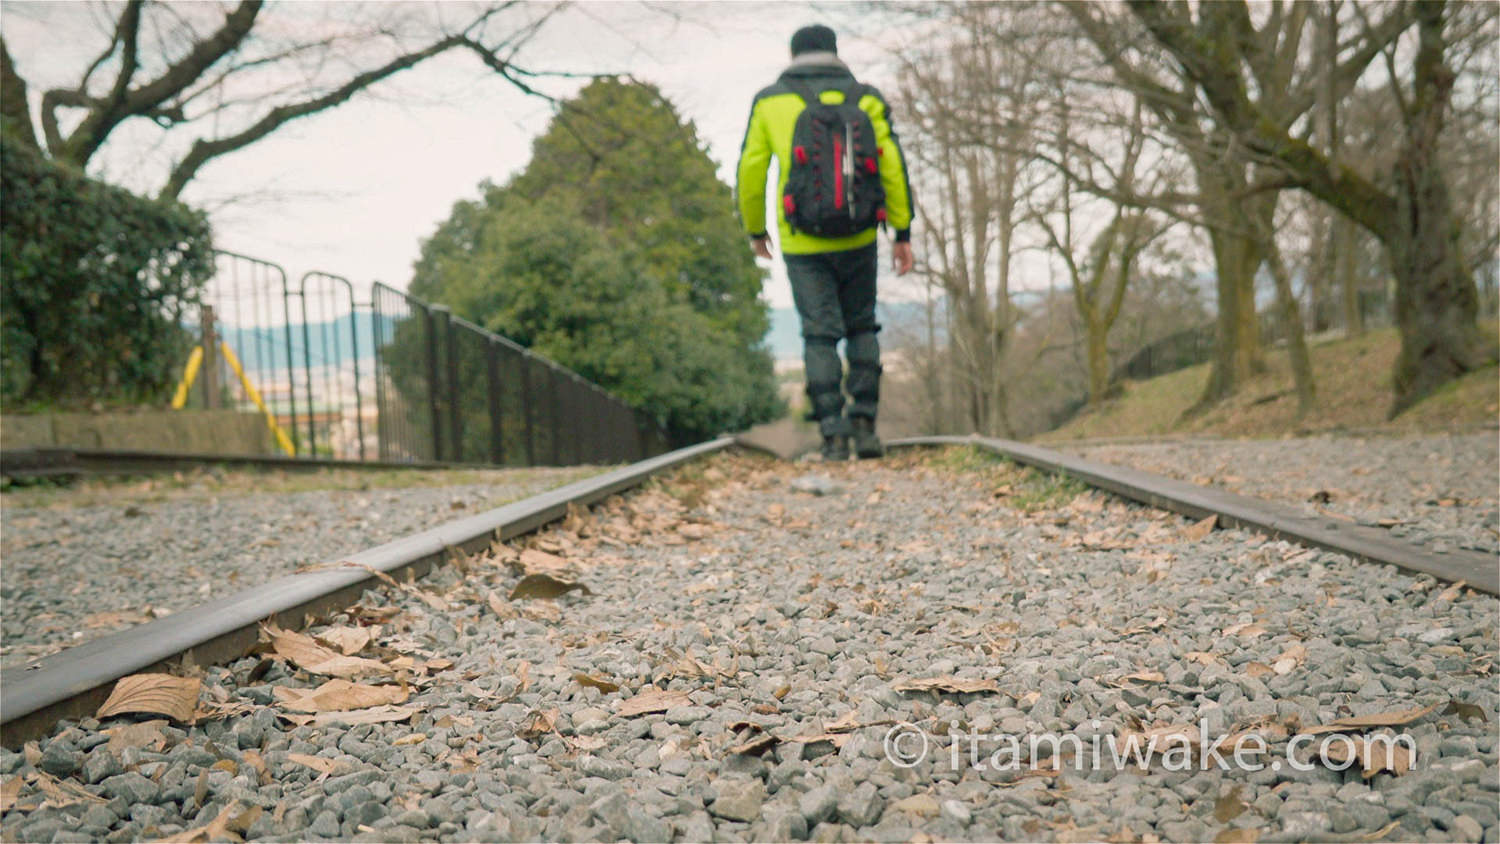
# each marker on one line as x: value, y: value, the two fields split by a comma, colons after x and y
x: 901, y: 257
x: 761, y: 246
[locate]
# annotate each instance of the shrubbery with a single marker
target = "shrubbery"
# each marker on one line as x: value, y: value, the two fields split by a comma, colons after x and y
x: 94, y: 281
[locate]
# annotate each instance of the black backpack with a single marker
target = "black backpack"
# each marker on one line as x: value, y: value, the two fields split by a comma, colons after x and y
x: 833, y: 187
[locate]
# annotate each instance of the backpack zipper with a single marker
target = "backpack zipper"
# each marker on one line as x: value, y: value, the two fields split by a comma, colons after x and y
x: 838, y: 173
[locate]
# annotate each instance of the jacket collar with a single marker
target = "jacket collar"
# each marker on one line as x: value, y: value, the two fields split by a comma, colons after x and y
x: 821, y: 60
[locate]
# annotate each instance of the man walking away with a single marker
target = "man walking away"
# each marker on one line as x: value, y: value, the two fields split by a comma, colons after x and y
x: 842, y: 174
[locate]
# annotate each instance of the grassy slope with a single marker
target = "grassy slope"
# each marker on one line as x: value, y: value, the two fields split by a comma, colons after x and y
x: 1353, y: 379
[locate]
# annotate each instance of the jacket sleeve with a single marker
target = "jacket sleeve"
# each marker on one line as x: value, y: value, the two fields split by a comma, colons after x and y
x: 899, y: 207
x: 755, y: 157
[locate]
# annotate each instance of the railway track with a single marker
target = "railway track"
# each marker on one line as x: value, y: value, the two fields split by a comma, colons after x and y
x: 714, y: 531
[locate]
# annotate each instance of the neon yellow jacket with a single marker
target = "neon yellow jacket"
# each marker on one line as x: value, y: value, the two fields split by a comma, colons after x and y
x: 769, y: 133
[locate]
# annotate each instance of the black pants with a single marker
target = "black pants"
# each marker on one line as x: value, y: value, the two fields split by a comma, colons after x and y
x: 835, y: 296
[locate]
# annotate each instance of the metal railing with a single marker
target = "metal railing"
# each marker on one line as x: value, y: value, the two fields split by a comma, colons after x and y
x: 401, y: 380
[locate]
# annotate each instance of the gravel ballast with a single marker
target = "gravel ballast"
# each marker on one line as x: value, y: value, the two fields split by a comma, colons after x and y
x: 1438, y: 492
x: 776, y: 623
x: 74, y: 573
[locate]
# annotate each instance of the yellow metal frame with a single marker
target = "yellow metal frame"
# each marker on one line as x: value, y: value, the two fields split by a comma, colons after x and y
x: 190, y: 374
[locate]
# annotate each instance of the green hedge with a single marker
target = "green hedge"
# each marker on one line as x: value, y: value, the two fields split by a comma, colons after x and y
x: 94, y: 282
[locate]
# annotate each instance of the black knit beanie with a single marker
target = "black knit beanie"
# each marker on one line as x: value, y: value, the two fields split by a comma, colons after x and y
x: 814, y: 39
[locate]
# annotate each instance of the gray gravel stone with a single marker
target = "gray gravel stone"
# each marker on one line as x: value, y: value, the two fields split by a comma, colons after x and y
x: 818, y: 804
x: 207, y: 542
x: 933, y: 577
x: 131, y: 787
x: 738, y: 799
x: 60, y: 759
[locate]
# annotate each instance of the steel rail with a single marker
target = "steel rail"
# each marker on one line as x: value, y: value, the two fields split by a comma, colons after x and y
x: 1278, y: 521
x: 73, y: 683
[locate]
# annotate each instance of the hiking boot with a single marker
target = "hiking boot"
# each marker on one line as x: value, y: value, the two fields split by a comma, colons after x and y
x: 866, y: 444
x: 835, y: 431
x: 836, y: 448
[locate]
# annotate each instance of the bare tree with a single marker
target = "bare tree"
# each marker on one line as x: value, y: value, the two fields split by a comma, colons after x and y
x: 1235, y: 202
x: 1100, y: 278
x: 221, y: 78
x: 1437, y: 300
x: 973, y: 106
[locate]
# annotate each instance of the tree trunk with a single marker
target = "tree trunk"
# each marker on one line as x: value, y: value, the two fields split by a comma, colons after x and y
x: 1237, y: 351
x: 1342, y: 264
x: 1098, y: 359
x: 1237, y: 255
x: 1437, y: 303
x: 1291, y: 320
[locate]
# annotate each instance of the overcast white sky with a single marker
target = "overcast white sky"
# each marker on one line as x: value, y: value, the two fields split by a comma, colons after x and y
x: 353, y: 190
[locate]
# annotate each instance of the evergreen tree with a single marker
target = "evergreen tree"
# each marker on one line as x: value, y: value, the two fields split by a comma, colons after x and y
x: 616, y: 252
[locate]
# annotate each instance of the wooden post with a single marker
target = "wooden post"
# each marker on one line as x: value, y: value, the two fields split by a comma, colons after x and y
x: 211, y: 356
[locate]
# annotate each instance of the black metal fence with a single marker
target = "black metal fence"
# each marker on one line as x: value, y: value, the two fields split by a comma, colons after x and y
x: 397, y: 379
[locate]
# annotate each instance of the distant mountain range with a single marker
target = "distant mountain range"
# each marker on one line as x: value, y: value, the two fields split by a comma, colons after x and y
x: 264, y: 349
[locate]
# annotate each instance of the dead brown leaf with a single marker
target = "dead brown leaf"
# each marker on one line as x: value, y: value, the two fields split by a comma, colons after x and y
x: 317, y: 763
x: 754, y: 740
x: 1365, y: 722
x: 1198, y: 531
x: 545, y: 586
x: 534, y: 561
x: 1466, y: 711
x: 1382, y: 832
x: 345, y: 639
x: 1259, y: 669
x: 62, y: 792
x: 1294, y: 656
x: 602, y: 685
x: 1452, y: 592
x: 146, y: 735
x: 652, y: 701
x: 308, y: 655
x: 947, y: 685
x: 499, y: 607
x: 339, y: 696
x: 1237, y: 836
x: 10, y: 791
x: 835, y: 739
x: 1373, y: 753
x: 1247, y: 630
x: 156, y: 694
x: 257, y: 764
x: 539, y: 723
x: 1229, y: 806
x: 373, y: 715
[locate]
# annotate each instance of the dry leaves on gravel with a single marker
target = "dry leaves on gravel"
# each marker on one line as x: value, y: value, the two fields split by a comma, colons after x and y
x: 546, y: 587
x: 146, y: 735
x: 651, y: 701
x: 373, y: 715
x: 1199, y: 530
x: 339, y: 696
x: 153, y: 694
x: 1397, y: 718
x: 947, y: 685
x: 310, y: 656
x: 1373, y: 754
